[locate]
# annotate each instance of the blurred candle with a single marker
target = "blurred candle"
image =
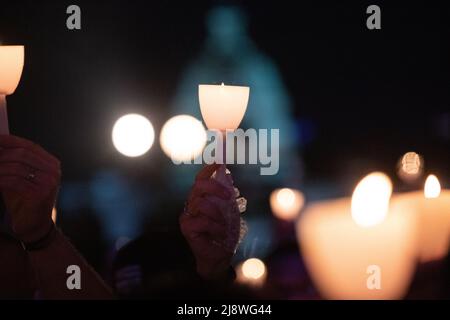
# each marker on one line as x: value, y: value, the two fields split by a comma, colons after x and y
x: 340, y: 253
x: 54, y: 214
x: 370, y: 201
x: 183, y: 138
x: 251, y: 272
x: 11, y: 66
x: 433, y: 219
x: 286, y: 203
x: 223, y: 107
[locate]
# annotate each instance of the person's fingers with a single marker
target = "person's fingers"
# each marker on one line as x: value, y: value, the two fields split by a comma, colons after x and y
x: 28, y: 158
x: 196, y: 225
x: 11, y: 141
x: 211, y: 187
x: 207, y: 171
x: 14, y: 169
x: 17, y: 184
x: 206, y: 207
x: 39, y: 178
x: 192, y: 206
x: 211, y: 210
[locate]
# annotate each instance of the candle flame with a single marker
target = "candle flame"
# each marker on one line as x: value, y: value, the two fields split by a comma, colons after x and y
x: 54, y: 214
x: 432, y: 187
x: 253, y: 268
x: 370, y: 200
x: 286, y: 203
x: 286, y: 197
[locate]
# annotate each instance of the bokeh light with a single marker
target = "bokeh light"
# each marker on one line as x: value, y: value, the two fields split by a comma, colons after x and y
x: 410, y: 166
x: 54, y: 214
x: 432, y: 187
x: 370, y: 200
x: 252, y: 272
x: 133, y: 135
x: 286, y: 203
x: 183, y: 138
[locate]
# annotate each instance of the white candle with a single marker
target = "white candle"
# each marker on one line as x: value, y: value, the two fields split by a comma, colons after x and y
x: 339, y: 252
x: 11, y: 66
x: 223, y: 107
x: 433, y: 214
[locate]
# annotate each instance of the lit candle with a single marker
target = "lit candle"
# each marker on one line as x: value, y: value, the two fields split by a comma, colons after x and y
x: 343, y: 242
x: 223, y: 107
x: 433, y: 216
x: 11, y: 65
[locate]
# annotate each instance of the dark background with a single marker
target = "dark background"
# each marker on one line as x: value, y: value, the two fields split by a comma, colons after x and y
x: 363, y: 94
x: 362, y: 98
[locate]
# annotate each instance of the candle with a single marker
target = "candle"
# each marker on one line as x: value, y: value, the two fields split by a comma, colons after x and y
x: 343, y: 250
x: 433, y: 216
x: 11, y: 65
x: 286, y: 203
x: 223, y: 107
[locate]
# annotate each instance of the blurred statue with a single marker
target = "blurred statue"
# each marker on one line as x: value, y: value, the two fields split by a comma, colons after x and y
x: 230, y: 56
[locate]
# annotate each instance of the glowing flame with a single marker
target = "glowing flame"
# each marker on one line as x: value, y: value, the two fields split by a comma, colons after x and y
x: 370, y: 200
x: 133, y: 135
x: 410, y: 166
x: 253, y: 268
x: 183, y: 138
x: 54, y: 214
x: 286, y: 203
x: 432, y: 187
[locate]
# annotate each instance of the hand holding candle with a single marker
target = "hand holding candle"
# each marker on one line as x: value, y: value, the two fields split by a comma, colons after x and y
x: 11, y: 65
x: 223, y: 108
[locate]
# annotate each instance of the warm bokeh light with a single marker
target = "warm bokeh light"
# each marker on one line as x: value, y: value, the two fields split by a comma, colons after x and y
x: 252, y: 272
x: 432, y: 187
x: 11, y: 65
x: 410, y: 166
x: 183, y: 138
x: 338, y: 253
x: 286, y: 203
x: 54, y: 214
x: 370, y: 200
x: 223, y: 107
x: 133, y: 135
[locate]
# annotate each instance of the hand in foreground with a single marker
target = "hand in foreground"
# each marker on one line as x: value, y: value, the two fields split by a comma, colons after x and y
x: 29, y: 180
x: 206, y: 224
